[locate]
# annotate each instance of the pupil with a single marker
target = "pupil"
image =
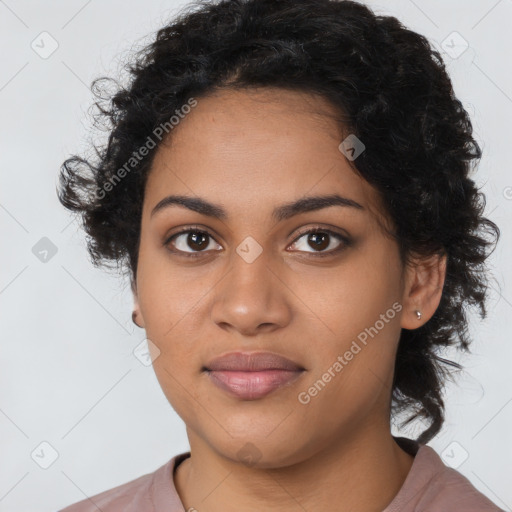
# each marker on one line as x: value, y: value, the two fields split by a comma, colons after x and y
x: 318, y: 243
x: 192, y: 238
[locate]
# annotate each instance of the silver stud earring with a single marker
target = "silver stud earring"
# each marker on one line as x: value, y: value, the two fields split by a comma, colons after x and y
x: 418, y: 314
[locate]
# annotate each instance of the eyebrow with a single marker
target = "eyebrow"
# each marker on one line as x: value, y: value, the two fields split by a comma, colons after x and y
x: 280, y: 213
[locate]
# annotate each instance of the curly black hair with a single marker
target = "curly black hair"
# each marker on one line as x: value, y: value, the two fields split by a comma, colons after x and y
x: 389, y: 87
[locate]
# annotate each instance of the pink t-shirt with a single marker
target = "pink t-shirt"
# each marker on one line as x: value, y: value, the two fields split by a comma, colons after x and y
x: 430, y: 486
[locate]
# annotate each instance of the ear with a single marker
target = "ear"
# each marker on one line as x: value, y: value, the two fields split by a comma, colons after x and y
x: 137, y: 317
x: 424, y: 281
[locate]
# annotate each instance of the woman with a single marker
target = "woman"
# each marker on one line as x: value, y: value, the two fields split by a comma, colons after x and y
x: 287, y: 185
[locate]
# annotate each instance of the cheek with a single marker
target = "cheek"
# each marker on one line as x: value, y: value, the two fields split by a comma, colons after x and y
x: 358, y: 309
x: 167, y: 293
x: 354, y: 367
x: 345, y: 300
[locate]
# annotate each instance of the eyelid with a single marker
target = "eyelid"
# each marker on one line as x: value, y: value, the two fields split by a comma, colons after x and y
x: 345, y: 240
x: 318, y: 229
x: 185, y: 230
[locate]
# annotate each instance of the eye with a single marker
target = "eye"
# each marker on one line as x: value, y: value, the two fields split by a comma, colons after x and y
x: 190, y: 238
x: 320, y: 239
x: 192, y: 242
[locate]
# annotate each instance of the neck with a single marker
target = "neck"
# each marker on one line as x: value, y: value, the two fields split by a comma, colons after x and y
x: 363, y: 472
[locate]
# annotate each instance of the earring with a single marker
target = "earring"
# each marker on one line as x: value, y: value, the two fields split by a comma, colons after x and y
x: 133, y: 319
x: 418, y: 314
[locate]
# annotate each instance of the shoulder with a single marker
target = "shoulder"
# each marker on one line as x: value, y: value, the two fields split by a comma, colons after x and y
x: 432, y: 485
x: 133, y: 495
x: 143, y: 494
x: 449, y: 490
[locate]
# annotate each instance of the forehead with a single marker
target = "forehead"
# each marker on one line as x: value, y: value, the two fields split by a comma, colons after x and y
x: 256, y: 149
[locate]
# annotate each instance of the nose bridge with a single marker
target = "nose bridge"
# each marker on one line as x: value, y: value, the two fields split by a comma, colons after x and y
x: 250, y: 294
x: 250, y: 267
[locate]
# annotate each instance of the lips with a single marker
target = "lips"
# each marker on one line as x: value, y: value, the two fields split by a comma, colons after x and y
x: 259, y: 361
x: 252, y: 376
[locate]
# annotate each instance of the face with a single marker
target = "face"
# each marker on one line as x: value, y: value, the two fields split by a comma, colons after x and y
x: 252, y: 281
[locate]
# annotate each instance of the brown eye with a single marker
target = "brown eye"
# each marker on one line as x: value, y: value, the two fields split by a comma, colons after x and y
x: 197, y: 241
x: 190, y: 241
x: 320, y: 240
x: 194, y: 242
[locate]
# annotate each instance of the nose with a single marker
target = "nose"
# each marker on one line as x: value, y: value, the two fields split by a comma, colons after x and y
x: 252, y: 297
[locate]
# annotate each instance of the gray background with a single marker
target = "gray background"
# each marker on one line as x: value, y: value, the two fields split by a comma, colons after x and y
x: 68, y: 374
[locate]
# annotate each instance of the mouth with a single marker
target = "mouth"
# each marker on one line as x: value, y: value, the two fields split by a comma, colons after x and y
x: 252, y: 376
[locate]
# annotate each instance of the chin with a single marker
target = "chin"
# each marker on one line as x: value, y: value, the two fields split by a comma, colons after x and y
x: 263, y: 451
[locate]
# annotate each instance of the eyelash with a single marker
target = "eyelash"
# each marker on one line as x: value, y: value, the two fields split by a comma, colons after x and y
x: 346, y: 242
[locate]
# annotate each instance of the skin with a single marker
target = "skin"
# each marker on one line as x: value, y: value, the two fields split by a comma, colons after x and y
x: 252, y: 151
